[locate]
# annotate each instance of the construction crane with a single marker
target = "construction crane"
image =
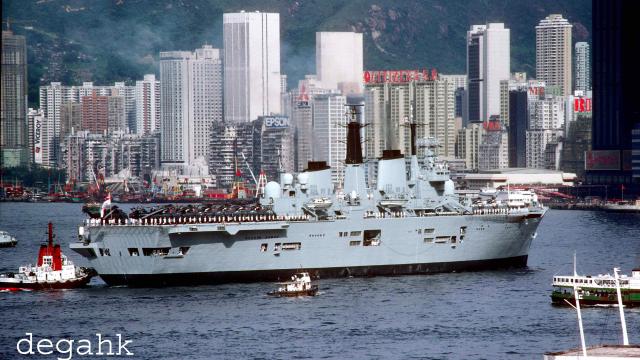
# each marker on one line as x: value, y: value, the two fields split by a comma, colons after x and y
x: 261, y: 182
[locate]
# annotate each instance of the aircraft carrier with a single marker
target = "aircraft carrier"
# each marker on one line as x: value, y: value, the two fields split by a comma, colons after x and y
x: 410, y: 222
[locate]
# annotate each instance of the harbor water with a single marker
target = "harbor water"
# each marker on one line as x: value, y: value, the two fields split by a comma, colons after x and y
x: 480, y: 315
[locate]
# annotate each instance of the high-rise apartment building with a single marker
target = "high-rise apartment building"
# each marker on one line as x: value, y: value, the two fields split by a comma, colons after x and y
x: 553, y: 54
x: 100, y: 114
x: 70, y: 119
x: 468, y: 142
x: 493, y: 151
x: 14, y: 146
x: 252, y: 77
x: 339, y: 61
x: 191, y: 102
x: 391, y: 106
x: 582, y: 67
x: 128, y: 93
x: 147, y: 93
x: 330, y: 133
x: 545, y: 131
x: 55, y: 96
x: 488, y: 63
x: 460, y: 87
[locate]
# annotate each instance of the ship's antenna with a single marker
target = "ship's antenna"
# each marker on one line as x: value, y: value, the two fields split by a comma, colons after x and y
x: 575, y: 273
x: 623, y: 323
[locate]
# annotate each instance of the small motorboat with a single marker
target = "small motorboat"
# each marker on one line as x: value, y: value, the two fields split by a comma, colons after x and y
x: 7, y: 240
x: 53, y: 271
x: 300, y: 285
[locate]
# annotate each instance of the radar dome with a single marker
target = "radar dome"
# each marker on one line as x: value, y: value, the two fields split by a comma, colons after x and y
x: 272, y: 190
x: 287, y: 179
x: 303, y: 178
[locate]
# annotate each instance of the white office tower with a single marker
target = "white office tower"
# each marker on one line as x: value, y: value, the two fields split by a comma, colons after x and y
x: 488, y: 63
x: 190, y: 102
x: 553, y: 54
x: 252, y: 80
x: 147, y: 105
x: 582, y: 67
x: 545, y: 132
x: 339, y: 61
x: 330, y: 132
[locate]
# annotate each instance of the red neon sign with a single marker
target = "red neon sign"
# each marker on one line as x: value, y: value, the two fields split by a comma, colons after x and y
x: 582, y: 105
x: 398, y: 76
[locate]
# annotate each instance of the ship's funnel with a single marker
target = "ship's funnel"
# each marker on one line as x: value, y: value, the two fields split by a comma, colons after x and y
x: 392, y: 172
x: 319, y: 178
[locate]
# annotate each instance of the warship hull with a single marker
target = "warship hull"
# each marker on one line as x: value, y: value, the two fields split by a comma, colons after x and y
x: 213, y: 253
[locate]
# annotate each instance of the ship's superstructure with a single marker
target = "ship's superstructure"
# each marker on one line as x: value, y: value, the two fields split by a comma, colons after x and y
x: 410, y: 222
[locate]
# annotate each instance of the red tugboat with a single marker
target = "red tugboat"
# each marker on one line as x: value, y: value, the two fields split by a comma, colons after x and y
x: 53, y: 271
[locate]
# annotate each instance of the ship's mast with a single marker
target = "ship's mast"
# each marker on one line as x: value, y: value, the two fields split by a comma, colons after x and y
x: 354, y: 144
x: 576, y: 294
x: 623, y: 323
x: 50, y: 236
x: 576, y: 291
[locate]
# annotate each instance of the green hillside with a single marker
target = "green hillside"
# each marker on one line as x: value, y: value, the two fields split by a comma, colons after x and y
x: 118, y: 40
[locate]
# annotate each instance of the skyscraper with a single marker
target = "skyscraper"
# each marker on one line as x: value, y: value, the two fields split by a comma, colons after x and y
x: 330, y: 132
x: 15, y: 130
x: 553, y: 54
x: 252, y: 77
x: 615, y: 81
x: 339, y: 61
x: 518, y: 125
x: 128, y: 93
x: 191, y: 102
x: 488, y: 62
x: 147, y: 105
x: 546, y: 124
x: 582, y: 67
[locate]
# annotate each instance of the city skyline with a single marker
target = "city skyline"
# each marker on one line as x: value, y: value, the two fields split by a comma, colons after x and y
x: 254, y: 86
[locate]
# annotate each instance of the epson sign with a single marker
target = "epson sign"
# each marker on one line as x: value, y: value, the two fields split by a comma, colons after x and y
x: 276, y: 121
